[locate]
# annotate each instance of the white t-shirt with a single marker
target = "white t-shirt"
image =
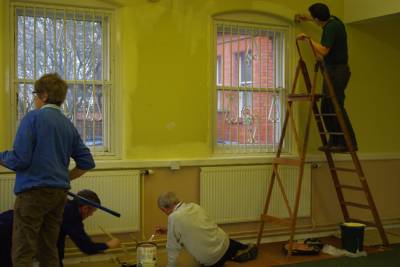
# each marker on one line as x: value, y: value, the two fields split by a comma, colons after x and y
x: 190, y: 227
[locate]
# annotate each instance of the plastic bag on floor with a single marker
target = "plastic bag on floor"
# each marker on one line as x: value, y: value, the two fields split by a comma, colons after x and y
x: 334, y: 251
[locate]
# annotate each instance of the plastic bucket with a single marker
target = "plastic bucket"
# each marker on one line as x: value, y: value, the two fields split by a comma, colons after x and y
x: 146, y: 254
x: 352, y: 236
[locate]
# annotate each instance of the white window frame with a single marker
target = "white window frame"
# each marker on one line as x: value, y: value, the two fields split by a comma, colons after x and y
x: 111, y: 134
x: 271, y: 22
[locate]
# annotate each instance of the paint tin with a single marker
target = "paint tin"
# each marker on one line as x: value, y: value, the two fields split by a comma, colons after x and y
x: 146, y: 254
x: 352, y: 236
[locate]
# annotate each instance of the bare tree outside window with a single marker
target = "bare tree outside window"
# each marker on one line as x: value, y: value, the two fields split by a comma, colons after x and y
x: 75, y: 44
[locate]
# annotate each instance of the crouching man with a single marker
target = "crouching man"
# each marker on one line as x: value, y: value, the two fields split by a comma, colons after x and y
x: 190, y: 227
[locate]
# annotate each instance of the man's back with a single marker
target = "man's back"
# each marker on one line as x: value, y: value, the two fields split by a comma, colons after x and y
x: 334, y: 37
x: 190, y: 226
x: 44, y: 143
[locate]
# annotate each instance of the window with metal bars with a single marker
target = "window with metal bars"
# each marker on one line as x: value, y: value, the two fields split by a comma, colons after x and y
x: 250, y: 86
x: 75, y: 43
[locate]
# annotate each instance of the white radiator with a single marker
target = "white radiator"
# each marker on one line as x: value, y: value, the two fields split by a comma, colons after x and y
x: 237, y: 193
x: 7, y: 196
x: 118, y: 190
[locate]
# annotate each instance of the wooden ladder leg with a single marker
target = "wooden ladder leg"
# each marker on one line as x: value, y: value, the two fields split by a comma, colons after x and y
x: 266, y: 206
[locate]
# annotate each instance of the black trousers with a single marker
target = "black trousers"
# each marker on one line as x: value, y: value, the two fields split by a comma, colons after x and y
x: 340, y: 76
x: 234, y: 247
x: 5, y: 249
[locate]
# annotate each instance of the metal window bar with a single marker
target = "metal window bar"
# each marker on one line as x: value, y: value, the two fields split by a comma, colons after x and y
x: 93, y: 85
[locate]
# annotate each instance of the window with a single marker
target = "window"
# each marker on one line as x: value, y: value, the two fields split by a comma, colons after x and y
x: 251, y: 86
x: 245, y: 68
x: 75, y: 43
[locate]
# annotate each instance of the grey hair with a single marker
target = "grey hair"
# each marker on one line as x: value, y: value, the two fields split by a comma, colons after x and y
x: 167, y: 200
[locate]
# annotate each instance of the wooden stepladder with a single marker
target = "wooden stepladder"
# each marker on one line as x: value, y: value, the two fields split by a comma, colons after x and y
x: 312, y: 98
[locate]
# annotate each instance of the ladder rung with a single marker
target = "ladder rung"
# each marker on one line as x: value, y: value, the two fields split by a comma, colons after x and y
x: 276, y: 220
x: 357, y: 205
x: 286, y: 161
x: 363, y: 222
x: 344, y: 169
x: 303, y: 97
x: 332, y: 133
x: 326, y: 115
x: 351, y: 187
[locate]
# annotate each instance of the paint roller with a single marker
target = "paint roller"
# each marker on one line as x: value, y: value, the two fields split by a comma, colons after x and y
x: 93, y: 204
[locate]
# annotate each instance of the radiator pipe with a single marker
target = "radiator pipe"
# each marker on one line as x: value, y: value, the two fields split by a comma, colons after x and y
x: 94, y: 204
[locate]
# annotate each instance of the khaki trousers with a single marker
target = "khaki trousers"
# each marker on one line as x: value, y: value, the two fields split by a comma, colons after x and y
x: 37, y: 219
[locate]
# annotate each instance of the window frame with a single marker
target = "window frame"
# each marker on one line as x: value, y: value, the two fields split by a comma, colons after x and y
x: 112, y: 106
x: 270, y: 22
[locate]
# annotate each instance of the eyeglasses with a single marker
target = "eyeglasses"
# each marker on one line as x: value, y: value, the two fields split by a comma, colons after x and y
x: 35, y: 93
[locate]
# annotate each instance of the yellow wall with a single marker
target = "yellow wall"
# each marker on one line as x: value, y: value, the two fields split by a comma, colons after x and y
x: 374, y: 87
x: 4, y: 135
x: 166, y: 73
x: 357, y: 10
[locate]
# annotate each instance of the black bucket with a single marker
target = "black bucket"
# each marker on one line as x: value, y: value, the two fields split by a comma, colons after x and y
x: 352, y: 236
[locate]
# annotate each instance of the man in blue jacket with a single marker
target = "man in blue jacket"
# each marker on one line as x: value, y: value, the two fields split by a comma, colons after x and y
x: 45, y: 142
x: 72, y: 226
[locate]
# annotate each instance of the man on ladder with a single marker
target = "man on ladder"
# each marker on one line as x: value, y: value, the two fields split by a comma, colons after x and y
x: 333, y: 48
x: 332, y: 63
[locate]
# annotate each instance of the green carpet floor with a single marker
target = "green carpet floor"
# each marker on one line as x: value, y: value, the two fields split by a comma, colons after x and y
x: 389, y: 258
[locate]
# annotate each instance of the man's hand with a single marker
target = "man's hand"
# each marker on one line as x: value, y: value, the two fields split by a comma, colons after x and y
x: 160, y: 230
x: 76, y: 173
x: 301, y: 17
x: 113, y: 243
x: 302, y: 36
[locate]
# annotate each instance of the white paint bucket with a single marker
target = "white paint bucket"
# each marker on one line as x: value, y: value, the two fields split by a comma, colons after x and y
x: 146, y: 254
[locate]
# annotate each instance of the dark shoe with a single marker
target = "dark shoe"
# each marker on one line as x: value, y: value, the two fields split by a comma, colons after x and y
x: 338, y: 149
x: 248, y: 254
x: 324, y: 148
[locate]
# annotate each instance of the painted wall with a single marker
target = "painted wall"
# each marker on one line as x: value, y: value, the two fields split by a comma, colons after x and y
x: 358, y: 10
x: 166, y: 73
x: 4, y: 92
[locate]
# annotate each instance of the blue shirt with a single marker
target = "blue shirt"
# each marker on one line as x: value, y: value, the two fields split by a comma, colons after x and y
x: 72, y: 226
x: 44, y: 143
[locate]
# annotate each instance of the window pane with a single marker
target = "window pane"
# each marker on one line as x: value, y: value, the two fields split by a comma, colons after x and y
x: 71, y: 43
x: 250, y: 87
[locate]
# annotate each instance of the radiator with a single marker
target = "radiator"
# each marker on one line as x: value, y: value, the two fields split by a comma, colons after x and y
x: 237, y: 193
x: 118, y: 190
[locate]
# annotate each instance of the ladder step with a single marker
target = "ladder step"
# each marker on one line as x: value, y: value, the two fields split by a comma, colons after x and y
x: 286, y: 161
x: 363, y: 222
x: 276, y: 220
x: 344, y: 169
x: 351, y: 187
x: 357, y: 205
x: 302, y: 97
x: 325, y: 115
x: 332, y: 133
